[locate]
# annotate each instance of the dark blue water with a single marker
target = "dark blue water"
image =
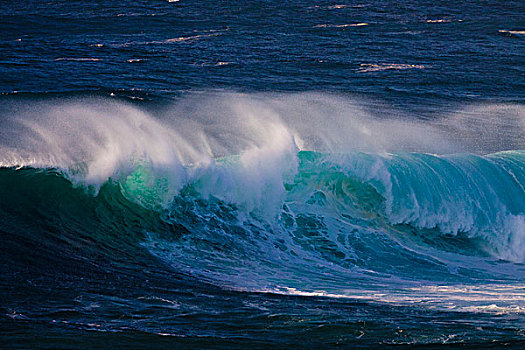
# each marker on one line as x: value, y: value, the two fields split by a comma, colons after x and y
x: 264, y: 45
x: 232, y: 174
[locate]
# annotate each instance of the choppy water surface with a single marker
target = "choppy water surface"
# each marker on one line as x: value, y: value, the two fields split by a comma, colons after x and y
x: 261, y: 173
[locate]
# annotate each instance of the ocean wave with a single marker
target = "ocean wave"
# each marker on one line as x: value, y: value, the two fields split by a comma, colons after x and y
x: 256, y: 188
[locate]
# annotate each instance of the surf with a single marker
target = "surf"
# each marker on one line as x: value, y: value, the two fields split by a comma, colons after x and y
x: 293, y: 193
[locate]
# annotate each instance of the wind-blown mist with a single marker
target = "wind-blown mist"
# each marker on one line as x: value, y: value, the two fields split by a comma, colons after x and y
x: 104, y: 136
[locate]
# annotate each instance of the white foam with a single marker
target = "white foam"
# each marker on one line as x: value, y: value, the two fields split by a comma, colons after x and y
x: 514, y: 32
x: 79, y: 59
x: 373, y: 67
x: 361, y: 24
x: 483, y: 298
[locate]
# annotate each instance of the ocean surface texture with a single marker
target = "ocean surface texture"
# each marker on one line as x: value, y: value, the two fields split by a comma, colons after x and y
x: 262, y: 174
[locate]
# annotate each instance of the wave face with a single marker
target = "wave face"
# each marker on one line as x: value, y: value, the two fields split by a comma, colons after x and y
x: 345, y: 216
x: 261, y: 197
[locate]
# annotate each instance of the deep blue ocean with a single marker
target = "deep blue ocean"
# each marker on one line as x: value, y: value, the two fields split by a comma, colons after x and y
x: 262, y: 174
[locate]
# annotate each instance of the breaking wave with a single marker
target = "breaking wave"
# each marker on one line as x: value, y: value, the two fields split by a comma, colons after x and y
x: 303, y: 193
